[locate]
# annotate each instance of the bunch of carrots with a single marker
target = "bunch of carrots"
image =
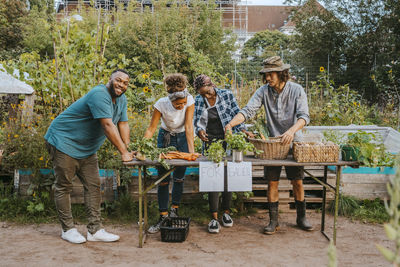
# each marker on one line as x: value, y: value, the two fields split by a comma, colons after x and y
x: 180, y: 155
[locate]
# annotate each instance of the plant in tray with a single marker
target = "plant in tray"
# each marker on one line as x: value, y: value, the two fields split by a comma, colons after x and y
x: 216, y: 152
x: 366, y: 148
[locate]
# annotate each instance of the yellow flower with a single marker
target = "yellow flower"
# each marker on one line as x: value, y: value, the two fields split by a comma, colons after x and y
x: 16, y: 135
x: 227, y: 79
x: 145, y: 75
x: 4, y: 123
x: 41, y: 158
x: 129, y: 109
x: 52, y: 118
x: 321, y: 69
x: 390, y: 71
x: 373, y: 77
x: 355, y: 103
x: 145, y: 89
x: 34, y: 194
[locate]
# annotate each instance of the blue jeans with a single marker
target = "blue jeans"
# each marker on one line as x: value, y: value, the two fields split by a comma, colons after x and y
x: 180, y: 143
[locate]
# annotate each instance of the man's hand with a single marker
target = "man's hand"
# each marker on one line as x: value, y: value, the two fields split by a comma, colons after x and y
x: 249, y: 134
x: 203, y: 136
x: 128, y: 156
x: 287, y: 137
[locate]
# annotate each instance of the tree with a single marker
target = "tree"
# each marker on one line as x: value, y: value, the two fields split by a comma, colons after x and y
x: 318, y: 41
x: 11, y: 11
x: 262, y: 45
x: 182, y: 39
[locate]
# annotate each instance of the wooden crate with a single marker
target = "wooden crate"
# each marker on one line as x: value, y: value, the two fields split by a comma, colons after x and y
x: 365, y: 186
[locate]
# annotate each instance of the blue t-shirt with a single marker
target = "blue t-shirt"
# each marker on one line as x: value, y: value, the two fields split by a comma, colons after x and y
x: 77, y: 131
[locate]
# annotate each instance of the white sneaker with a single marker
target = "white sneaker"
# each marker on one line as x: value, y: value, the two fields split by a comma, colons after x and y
x: 73, y: 236
x: 227, y: 220
x: 103, y: 236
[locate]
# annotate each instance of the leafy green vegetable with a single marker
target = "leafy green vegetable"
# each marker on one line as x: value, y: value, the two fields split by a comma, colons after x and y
x: 216, y: 151
x: 146, y: 149
x: 238, y: 142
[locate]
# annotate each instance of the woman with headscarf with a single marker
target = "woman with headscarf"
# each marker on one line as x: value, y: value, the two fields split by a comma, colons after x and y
x: 176, y: 114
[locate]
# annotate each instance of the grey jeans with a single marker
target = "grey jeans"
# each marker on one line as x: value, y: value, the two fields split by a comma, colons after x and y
x: 87, y: 170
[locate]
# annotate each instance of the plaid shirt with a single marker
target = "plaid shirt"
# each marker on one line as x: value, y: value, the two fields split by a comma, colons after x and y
x: 226, y: 106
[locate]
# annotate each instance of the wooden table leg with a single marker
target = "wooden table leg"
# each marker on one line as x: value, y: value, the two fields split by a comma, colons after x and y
x: 338, y: 174
x: 140, y: 207
x: 145, y: 201
x: 324, y: 201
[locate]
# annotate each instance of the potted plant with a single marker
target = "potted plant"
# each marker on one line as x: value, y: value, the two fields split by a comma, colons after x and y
x: 216, y: 152
x: 238, y: 144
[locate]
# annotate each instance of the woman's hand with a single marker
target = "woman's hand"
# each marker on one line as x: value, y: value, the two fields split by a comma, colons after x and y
x: 203, y: 136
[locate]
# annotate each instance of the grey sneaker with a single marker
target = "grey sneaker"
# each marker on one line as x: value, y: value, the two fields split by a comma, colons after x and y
x: 214, y: 226
x: 227, y: 220
x: 156, y: 227
x: 173, y: 213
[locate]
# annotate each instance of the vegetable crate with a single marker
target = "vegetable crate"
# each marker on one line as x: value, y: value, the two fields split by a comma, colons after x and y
x: 175, y: 229
x: 315, y: 152
x: 271, y: 148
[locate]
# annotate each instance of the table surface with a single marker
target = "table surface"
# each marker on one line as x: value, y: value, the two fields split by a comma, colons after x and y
x: 255, y: 162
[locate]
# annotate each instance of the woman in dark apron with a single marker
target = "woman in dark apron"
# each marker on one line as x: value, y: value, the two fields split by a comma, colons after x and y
x: 214, y: 108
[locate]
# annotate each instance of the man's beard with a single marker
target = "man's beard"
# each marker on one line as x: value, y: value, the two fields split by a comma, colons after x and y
x: 112, y: 91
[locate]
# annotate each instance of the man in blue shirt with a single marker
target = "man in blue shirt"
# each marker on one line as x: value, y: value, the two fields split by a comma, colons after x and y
x: 73, y: 139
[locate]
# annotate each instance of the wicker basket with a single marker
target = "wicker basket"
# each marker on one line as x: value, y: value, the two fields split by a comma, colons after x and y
x: 315, y: 152
x: 272, y: 148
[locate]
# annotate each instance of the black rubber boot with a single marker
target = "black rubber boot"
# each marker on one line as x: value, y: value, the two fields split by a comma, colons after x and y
x: 301, y: 216
x: 273, y: 225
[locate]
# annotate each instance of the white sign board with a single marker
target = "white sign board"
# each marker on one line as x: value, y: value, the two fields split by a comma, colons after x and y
x: 239, y: 177
x: 211, y: 177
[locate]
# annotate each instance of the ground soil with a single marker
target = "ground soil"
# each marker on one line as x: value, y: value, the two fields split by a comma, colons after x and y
x: 242, y: 245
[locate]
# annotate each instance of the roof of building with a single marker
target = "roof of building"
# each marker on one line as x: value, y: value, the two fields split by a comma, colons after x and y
x: 11, y: 85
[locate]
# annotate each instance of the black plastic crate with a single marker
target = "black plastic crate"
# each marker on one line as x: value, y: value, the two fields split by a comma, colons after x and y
x: 175, y: 229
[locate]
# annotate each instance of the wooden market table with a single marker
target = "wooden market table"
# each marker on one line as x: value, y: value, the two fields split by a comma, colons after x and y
x: 143, y: 190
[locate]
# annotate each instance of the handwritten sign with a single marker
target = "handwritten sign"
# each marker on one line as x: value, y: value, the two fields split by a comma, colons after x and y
x: 239, y: 177
x: 211, y: 177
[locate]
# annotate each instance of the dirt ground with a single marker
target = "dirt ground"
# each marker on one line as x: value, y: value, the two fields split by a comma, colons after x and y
x: 242, y: 245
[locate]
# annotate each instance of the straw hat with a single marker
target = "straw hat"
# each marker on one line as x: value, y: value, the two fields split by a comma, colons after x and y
x: 273, y: 64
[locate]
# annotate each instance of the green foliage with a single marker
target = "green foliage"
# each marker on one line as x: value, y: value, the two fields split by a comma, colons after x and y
x: 262, y: 45
x: 25, y: 146
x: 392, y: 228
x: 237, y: 141
x: 11, y: 12
x: 337, y: 105
x: 371, y: 150
x: 259, y: 129
x: 174, y: 39
x: 146, y: 149
x: 216, y: 151
x: 36, y: 37
x: 318, y: 34
x: 372, y: 211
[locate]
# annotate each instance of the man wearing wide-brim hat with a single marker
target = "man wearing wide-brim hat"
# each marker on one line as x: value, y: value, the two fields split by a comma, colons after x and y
x: 286, y: 111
